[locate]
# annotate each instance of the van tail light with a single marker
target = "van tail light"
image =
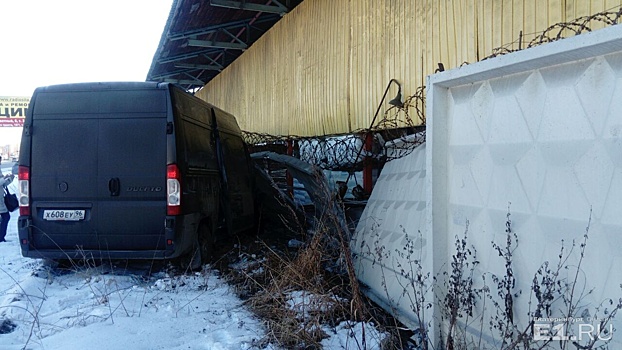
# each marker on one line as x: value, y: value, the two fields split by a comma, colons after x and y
x: 23, y: 176
x: 173, y: 190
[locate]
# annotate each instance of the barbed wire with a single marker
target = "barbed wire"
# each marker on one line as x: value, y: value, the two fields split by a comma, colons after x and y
x: 561, y: 30
x: 346, y: 152
x: 401, y: 129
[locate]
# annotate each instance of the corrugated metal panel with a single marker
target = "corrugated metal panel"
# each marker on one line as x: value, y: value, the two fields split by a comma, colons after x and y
x: 324, y: 67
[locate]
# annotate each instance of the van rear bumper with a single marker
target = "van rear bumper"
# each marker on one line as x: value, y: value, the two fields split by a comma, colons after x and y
x: 94, y: 254
x: 25, y: 227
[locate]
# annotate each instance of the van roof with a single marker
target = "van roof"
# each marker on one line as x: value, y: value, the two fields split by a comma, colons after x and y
x: 92, y: 98
x: 94, y: 86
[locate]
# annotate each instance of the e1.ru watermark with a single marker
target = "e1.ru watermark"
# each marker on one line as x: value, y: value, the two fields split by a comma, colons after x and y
x: 570, y: 328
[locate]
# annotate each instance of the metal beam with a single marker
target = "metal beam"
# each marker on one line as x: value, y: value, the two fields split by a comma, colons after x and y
x: 167, y: 74
x: 184, y: 82
x: 199, y: 66
x: 187, y: 56
x: 243, y: 5
x: 217, y: 44
x: 217, y: 27
x: 234, y: 38
x: 221, y: 53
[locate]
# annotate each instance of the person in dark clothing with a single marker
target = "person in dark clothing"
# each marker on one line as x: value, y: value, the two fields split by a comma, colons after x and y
x: 5, y: 216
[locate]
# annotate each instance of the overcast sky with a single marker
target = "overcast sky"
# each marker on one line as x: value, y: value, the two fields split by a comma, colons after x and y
x: 46, y: 42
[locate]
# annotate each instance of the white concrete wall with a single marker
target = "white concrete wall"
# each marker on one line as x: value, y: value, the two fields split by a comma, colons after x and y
x: 394, y: 218
x: 537, y: 133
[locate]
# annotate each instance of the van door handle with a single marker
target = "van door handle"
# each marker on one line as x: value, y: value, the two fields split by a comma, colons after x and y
x: 114, y: 185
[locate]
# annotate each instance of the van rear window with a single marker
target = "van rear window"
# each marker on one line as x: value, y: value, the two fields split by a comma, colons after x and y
x: 100, y: 102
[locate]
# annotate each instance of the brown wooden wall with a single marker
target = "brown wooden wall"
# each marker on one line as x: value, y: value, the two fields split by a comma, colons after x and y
x: 323, y: 68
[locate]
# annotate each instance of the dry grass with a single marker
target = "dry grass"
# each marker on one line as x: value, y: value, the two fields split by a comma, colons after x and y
x: 283, y: 273
x: 299, y: 293
x: 302, y: 292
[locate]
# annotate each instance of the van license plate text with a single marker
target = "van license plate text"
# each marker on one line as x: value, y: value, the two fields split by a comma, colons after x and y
x: 63, y: 215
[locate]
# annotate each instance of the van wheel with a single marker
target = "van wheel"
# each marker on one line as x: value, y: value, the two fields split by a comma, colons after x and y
x: 202, y: 250
x: 191, y: 260
x: 206, y: 243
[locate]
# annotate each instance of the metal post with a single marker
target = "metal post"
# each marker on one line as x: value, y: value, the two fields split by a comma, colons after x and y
x: 368, y: 164
x: 367, y: 145
x: 288, y: 176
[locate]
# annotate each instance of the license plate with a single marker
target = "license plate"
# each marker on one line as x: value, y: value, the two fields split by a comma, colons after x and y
x: 63, y: 215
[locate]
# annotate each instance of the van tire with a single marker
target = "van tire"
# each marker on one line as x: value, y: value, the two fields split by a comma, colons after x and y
x: 206, y: 243
x: 202, y: 250
x: 192, y: 260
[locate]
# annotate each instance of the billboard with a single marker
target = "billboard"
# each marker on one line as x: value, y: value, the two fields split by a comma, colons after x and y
x: 13, y: 111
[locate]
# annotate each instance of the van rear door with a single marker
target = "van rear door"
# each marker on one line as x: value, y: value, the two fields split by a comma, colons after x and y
x: 131, y: 183
x: 98, y: 169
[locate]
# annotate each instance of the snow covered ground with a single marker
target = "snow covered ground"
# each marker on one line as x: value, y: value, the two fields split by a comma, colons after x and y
x: 43, y: 306
x: 110, y: 307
